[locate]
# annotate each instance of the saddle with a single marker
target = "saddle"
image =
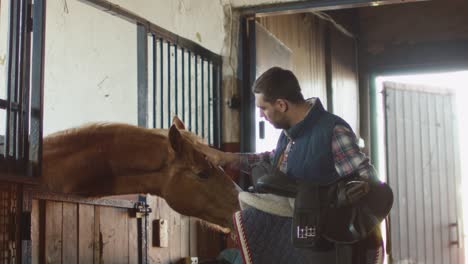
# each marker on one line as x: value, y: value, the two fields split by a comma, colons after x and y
x: 344, y: 211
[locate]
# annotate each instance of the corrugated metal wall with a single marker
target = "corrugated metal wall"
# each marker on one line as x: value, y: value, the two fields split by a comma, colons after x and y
x: 424, y: 173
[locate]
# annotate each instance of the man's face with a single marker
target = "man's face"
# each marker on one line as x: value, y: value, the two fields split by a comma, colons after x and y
x: 275, y: 113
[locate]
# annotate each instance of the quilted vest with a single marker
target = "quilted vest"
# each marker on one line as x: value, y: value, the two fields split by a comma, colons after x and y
x: 310, y: 155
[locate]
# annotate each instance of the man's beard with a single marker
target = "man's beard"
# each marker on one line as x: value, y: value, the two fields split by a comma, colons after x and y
x: 280, y: 124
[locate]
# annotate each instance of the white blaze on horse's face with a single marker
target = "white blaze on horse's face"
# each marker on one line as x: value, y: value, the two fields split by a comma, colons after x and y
x: 196, y: 187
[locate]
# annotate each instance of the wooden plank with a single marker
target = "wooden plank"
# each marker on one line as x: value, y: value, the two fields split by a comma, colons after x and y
x: 113, y: 201
x: 164, y: 213
x: 344, y: 78
x: 426, y: 181
x: 181, y: 233
x: 193, y: 248
x: 450, y: 125
x: 114, y: 230
x: 184, y: 236
x: 152, y: 250
x: 174, y: 236
x: 402, y: 192
x: 410, y: 152
x: 418, y: 175
x: 392, y: 166
x: 97, y: 252
x: 156, y: 254
x: 434, y: 176
x: 441, y: 145
x: 457, y: 185
x: 133, y: 241
x: 86, y: 233
x: 53, y: 232
x: 35, y: 229
x: 70, y: 233
x: 296, y: 32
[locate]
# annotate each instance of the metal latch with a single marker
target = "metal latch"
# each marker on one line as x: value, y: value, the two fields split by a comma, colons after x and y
x: 141, y: 209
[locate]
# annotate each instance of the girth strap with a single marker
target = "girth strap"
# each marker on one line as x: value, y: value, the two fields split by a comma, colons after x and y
x: 307, y: 221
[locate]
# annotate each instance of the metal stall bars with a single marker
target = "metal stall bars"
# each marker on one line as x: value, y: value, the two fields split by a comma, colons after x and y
x: 184, y: 77
x: 21, y: 107
x: 185, y: 81
x: 20, y: 122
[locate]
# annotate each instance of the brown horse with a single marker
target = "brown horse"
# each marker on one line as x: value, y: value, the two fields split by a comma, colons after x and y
x: 115, y: 159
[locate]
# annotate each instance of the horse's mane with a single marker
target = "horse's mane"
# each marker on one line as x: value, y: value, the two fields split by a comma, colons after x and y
x: 104, y: 129
x: 89, y: 128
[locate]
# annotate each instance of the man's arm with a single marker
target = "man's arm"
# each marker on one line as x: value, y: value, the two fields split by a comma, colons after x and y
x: 348, y: 157
x: 236, y: 161
x: 247, y: 160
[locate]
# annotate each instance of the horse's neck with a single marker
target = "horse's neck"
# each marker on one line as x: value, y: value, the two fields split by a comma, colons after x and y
x: 152, y: 182
x: 103, y: 160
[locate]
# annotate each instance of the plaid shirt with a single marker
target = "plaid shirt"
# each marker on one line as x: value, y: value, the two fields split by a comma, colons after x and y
x: 348, y: 157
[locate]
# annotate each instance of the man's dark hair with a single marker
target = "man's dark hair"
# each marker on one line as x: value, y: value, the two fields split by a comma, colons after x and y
x: 277, y: 83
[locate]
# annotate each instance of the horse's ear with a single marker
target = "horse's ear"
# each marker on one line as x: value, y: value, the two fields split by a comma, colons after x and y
x: 178, y: 123
x: 176, y: 139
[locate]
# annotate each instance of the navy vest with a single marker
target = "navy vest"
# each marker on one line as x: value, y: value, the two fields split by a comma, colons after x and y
x: 311, y: 156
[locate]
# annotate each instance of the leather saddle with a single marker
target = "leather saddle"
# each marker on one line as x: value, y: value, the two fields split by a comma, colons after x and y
x: 344, y: 211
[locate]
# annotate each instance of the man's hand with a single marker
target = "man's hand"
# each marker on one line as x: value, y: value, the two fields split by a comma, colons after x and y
x: 220, y: 158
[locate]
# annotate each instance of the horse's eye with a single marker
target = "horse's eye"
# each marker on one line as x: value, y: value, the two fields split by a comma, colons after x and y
x: 203, y: 174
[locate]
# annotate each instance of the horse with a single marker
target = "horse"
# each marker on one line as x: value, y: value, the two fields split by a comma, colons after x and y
x: 107, y: 159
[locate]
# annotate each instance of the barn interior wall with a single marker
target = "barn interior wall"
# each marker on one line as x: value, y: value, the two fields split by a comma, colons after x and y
x: 3, y: 58
x: 307, y: 36
x: 90, y: 68
x: 212, y: 24
x: 91, y: 75
x: 99, y: 50
x: 430, y: 34
x: 304, y: 35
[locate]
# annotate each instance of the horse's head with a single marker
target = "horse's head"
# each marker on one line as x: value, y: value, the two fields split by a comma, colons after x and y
x: 197, y: 188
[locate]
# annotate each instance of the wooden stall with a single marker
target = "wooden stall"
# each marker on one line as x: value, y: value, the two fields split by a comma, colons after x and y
x: 42, y: 227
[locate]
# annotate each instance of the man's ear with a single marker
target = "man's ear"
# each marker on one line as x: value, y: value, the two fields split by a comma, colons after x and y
x: 282, y: 104
x: 176, y: 140
x: 178, y: 123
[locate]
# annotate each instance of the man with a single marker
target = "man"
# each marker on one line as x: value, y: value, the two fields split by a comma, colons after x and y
x: 315, y: 145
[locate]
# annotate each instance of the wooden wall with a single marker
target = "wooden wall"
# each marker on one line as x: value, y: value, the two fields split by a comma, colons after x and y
x: 304, y: 35
x: 344, y: 76
x: 179, y: 234
x: 187, y: 237
x: 421, y: 36
x: 414, y: 23
x: 424, y: 172
x: 71, y: 232
x: 319, y: 49
x: 67, y: 230
x: 9, y: 195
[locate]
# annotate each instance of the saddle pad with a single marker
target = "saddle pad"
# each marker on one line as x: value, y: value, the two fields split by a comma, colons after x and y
x: 266, y: 238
